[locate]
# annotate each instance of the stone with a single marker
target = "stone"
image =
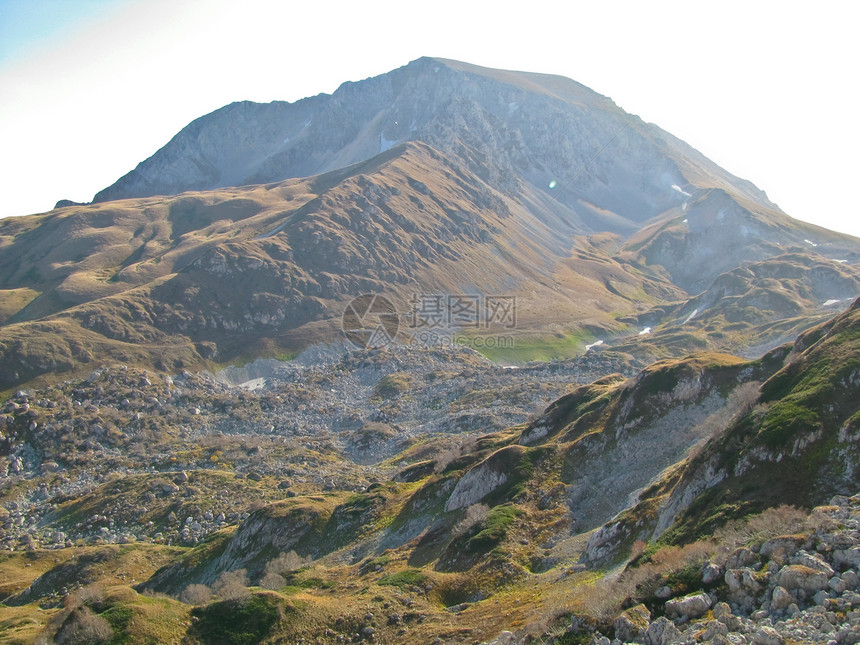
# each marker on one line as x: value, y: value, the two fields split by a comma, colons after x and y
x: 813, y: 562
x: 722, y: 609
x: 742, y: 582
x: 505, y: 638
x: 713, y: 629
x: 781, y: 599
x: 663, y: 592
x: 821, y: 597
x: 711, y: 573
x: 844, y: 558
x: 799, y: 577
x: 740, y: 558
x: 785, y: 545
x: 767, y: 636
x: 662, y: 632
x: 690, y: 606
x: 837, y: 584
x: 632, y: 624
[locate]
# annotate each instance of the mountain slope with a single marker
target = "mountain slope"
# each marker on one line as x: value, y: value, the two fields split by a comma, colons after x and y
x: 449, y: 530
x: 174, y: 282
x: 794, y: 441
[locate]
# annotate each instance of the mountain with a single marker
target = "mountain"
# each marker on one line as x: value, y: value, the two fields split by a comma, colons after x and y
x: 572, y: 157
x: 251, y: 230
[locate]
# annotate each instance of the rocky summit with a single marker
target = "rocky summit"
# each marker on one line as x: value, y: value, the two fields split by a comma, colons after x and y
x: 452, y: 355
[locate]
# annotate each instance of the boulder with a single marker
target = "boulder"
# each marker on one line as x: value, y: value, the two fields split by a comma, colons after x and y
x: 799, y: 577
x: 786, y: 545
x: 742, y: 582
x: 781, y: 599
x: 662, y: 632
x: 690, y: 606
x: 711, y: 573
x: 847, y: 557
x: 740, y: 558
x: 813, y: 562
x: 767, y: 636
x: 632, y: 624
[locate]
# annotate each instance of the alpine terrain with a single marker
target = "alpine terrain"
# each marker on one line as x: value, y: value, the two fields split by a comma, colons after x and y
x: 452, y: 355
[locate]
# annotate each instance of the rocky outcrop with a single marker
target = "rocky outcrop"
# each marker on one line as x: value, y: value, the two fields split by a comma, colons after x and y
x: 487, y: 477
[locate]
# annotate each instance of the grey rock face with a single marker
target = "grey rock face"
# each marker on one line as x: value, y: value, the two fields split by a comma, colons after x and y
x: 578, y: 154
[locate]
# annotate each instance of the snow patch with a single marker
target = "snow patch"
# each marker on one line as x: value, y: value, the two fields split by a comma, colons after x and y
x: 680, y: 190
x: 274, y: 231
x: 828, y: 303
x: 596, y: 343
x: 385, y: 144
x: 841, y: 261
x: 253, y: 384
x: 645, y: 331
x: 684, y: 207
x: 685, y: 221
x: 691, y: 316
x: 512, y: 107
x: 810, y: 243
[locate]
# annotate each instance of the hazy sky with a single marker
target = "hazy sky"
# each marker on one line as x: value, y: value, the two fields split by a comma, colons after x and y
x: 768, y: 90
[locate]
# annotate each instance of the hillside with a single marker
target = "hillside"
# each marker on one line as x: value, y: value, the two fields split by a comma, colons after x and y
x: 409, y: 502
x: 176, y: 283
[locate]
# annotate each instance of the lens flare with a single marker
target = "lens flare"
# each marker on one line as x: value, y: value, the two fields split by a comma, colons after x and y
x: 553, y: 184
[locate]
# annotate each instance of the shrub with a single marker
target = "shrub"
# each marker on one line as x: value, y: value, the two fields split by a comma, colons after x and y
x: 232, y: 585
x: 273, y: 581
x: 83, y: 627
x: 195, y: 594
x: 494, y: 528
x: 770, y: 523
x: 246, y: 623
x: 90, y: 595
x: 287, y: 563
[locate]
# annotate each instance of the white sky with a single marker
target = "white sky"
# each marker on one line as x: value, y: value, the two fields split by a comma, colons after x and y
x: 768, y: 90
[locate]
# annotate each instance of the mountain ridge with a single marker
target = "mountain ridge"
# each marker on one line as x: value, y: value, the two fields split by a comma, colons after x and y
x: 387, y: 109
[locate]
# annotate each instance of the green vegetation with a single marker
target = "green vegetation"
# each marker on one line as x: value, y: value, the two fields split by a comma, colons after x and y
x: 238, y: 622
x: 521, y: 349
x: 494, y: 528
x: 393, y: 385
x: 407, y: 578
